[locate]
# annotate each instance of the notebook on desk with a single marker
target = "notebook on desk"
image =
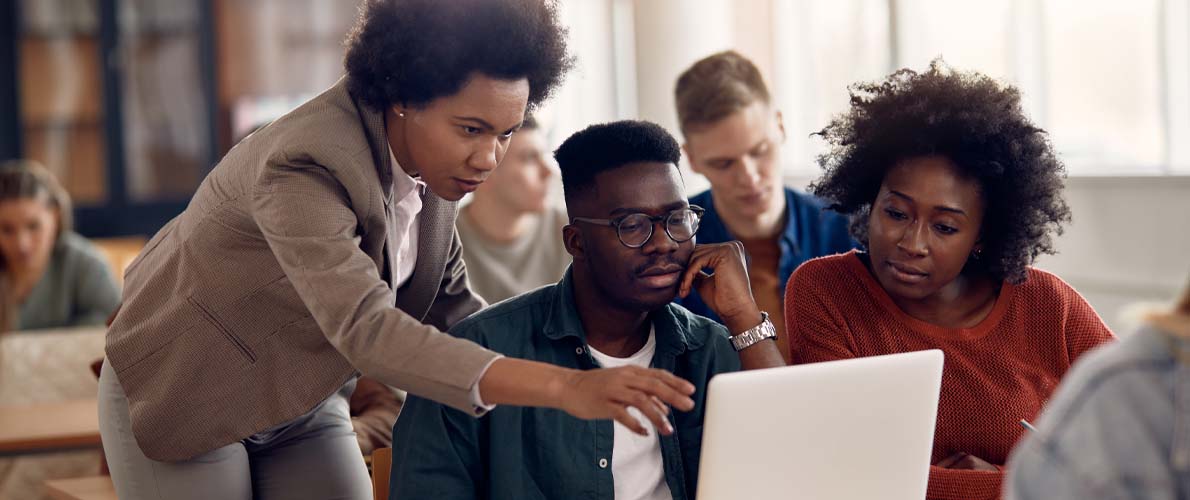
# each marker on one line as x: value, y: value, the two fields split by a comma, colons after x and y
x: 853, y: 429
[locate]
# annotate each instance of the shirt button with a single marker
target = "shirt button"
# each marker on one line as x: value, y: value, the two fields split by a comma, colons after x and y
x: 578, y: 350
x: 603, y: 463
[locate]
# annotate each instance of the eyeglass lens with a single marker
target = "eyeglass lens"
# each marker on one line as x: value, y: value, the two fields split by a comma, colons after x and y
x: 636, y: 229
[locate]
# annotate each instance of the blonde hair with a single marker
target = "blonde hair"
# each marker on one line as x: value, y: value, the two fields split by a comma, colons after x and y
x: 19, y: 180
x: 715, y: 87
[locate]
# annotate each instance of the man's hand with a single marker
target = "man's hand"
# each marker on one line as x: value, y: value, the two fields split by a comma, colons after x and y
x: 726, y: 290
x: 965, y: 461
x: 608, y: 392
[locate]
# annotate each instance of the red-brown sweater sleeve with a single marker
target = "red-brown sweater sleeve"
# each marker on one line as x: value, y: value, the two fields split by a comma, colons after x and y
x: 955, y: 484
x: 815, y: 326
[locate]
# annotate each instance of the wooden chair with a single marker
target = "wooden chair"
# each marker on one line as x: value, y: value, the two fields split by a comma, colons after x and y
x: 96, y: 367
x: 382, y: 461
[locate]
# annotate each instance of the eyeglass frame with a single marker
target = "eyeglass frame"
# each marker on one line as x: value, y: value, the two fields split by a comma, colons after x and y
x: 653, y: 220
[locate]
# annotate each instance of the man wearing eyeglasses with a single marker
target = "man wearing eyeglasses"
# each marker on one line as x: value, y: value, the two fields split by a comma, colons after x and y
x: 733, y: 138
x: 631, y: 237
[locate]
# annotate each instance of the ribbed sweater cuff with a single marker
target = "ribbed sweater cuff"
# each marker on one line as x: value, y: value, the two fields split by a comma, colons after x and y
x: 952, y: 484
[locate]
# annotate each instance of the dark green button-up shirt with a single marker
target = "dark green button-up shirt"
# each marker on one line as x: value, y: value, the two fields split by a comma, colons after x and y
x: 538, y: 453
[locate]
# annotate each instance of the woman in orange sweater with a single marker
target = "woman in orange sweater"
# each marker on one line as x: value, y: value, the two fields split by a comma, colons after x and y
x: 952, y: 192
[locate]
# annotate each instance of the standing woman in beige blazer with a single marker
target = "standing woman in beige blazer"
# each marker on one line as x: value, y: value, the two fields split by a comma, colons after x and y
x: 322, y: 247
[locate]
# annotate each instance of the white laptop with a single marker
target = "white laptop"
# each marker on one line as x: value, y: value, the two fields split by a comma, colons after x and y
x: 858, y: 429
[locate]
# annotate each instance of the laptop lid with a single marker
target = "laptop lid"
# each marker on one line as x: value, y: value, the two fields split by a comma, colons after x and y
x: 851, y: 429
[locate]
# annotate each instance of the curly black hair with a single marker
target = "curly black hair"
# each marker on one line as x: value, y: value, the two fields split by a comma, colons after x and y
x: 607, y: 146
x: 975, y: 122
x: 414, y: 51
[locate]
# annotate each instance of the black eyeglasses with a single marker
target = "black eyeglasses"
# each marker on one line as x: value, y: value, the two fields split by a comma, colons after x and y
x: 635, y: 230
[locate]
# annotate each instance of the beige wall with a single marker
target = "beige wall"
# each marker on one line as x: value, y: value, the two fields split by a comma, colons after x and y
x: 670, y: 35
x: 1129, y: 242
x: 673, y: 34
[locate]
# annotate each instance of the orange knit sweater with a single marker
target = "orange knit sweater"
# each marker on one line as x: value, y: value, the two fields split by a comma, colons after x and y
x: 996, y: 373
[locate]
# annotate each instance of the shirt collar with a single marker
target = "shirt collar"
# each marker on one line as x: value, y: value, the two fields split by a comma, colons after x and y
x: 403, y: 183
x: 671, y: 324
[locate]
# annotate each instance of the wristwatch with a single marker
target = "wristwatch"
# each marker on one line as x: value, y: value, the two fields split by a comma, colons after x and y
x: 749, y: 337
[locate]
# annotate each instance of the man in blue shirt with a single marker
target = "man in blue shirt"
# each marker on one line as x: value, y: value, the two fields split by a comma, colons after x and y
x: 733, y: 138
x: 631, y: 238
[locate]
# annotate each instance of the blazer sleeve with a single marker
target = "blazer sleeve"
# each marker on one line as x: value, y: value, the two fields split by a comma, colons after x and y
x: 455, y: 300
x: 305, y: 215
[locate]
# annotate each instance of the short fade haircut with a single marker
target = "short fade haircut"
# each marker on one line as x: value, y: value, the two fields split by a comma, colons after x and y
x: 414, y: 51
x: 608, y: 146
x: 715, y: 87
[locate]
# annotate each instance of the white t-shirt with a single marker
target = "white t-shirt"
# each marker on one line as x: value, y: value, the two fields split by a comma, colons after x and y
x: 638, y: 472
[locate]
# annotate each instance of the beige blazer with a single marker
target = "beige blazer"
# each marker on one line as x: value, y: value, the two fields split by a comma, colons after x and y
x: 275, y: 286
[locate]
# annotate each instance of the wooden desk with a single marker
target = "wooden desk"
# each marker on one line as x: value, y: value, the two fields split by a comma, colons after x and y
x: 83, y: 488
x: 43, y: 427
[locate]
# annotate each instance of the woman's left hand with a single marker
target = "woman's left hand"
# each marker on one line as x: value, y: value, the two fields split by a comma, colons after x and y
x: 966, y: 461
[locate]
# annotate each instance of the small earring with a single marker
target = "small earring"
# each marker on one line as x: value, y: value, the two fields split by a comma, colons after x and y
x: 977, y: 254
x: 400, y: 114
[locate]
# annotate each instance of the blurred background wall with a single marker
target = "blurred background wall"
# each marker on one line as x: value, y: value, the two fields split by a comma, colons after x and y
x: 131, y: 102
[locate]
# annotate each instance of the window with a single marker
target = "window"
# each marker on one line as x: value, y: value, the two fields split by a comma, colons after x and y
x: 822, y: 46
x: 1109, y: 80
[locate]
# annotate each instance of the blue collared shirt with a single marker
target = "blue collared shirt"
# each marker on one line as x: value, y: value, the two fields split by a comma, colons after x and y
x: 810, y: 231
x: 1117, y: 428
x: 541, y: 453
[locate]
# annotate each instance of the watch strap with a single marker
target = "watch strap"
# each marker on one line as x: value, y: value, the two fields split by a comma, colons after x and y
x: 751, y: 336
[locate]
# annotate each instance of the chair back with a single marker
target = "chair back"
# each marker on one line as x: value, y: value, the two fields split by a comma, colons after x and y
x: 382, y: 461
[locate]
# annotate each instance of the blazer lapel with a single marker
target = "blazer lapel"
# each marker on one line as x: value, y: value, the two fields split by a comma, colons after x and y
x: 435, y: 235
x: 378, y: 140
x: 435, y: 230
x: 374, y: 129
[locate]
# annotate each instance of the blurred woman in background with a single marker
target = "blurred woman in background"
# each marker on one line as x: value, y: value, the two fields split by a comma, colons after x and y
x: 50, y: 277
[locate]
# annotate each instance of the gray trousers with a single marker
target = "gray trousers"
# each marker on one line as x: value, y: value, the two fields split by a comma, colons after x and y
x: 314, y: 456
